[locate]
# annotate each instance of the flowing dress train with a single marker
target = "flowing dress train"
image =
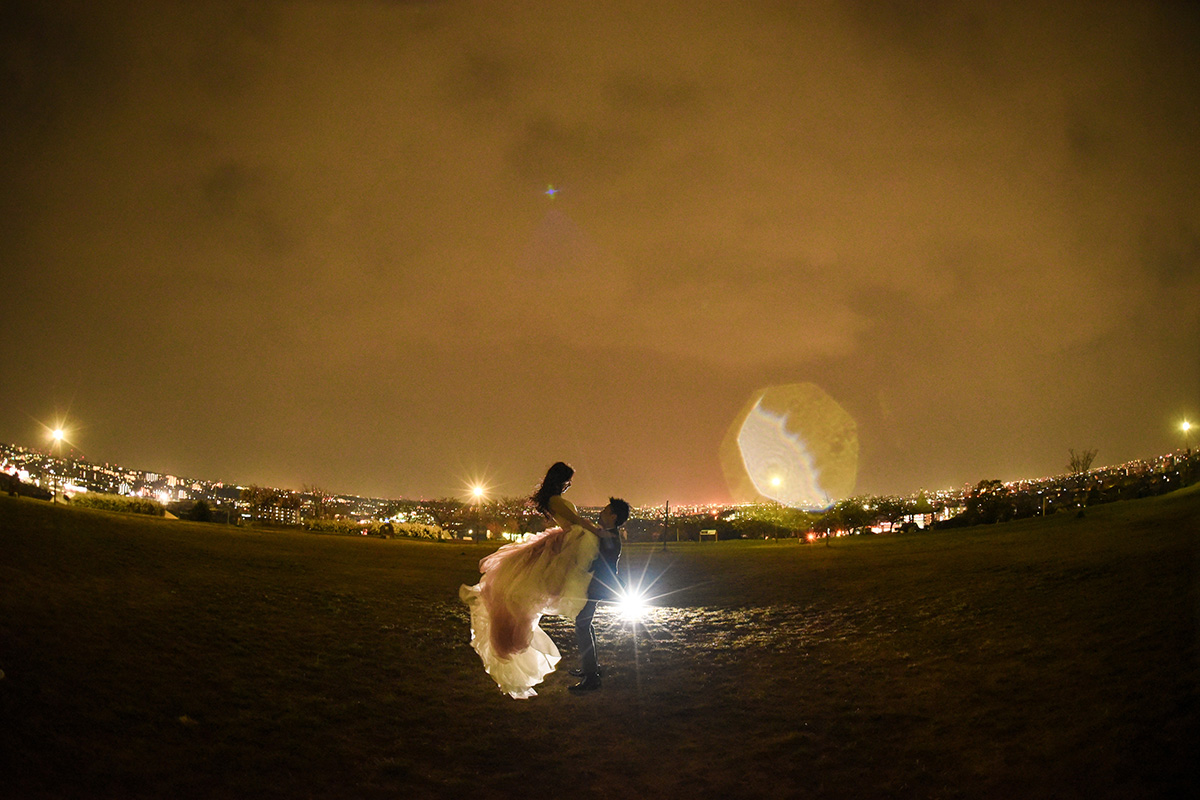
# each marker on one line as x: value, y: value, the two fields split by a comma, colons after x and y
x: 547, y: 574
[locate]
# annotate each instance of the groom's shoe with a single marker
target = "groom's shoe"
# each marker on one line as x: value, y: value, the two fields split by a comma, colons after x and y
x: 589, y: 683
x: 579, y: 673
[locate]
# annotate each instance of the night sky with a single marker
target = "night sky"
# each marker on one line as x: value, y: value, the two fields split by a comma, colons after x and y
x: 312, y: 243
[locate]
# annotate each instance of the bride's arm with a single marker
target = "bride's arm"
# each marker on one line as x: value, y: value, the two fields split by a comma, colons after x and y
x: 564, y: 511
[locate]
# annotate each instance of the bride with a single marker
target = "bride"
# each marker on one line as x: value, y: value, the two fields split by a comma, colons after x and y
x: 547, y: 574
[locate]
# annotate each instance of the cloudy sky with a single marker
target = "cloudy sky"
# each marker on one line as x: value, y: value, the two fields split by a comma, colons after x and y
x: 310, y: 243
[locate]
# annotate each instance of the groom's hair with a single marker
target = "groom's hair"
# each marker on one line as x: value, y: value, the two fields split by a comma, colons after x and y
x: 620, y: 509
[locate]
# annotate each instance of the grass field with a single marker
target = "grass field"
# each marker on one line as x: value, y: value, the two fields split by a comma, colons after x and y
x: 1046, y: 658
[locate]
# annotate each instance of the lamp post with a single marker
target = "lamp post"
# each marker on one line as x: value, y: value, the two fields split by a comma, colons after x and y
x: 477, y: 493
x: 666, y: 524
x: 1186, y: 427
x: 56, y: 437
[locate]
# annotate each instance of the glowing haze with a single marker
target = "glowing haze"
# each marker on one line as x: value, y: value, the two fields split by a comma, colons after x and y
x: 404, y: 248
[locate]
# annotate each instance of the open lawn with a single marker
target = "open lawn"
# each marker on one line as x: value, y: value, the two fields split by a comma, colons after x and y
x: 146, y: 657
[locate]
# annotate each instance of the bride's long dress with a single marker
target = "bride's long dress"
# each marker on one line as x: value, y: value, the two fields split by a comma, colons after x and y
x: 547, y: 574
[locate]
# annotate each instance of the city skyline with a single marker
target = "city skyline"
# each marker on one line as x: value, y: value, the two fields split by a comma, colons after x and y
x: 146, y: 483
x: 403, y: 248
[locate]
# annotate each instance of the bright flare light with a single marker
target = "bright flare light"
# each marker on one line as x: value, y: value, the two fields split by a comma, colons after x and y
x: 58, y: 434
x: 631, y: 605
x: 477, y: 491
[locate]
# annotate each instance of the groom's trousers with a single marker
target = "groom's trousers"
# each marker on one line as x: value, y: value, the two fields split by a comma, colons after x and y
x: 585, y: 637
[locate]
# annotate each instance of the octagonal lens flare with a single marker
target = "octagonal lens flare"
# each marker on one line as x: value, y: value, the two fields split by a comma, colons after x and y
x: 792, y: 444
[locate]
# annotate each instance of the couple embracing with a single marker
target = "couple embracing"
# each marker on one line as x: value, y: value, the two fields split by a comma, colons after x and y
x: 565, y: 570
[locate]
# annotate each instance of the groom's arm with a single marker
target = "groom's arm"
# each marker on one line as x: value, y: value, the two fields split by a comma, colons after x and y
x: 565, y: 511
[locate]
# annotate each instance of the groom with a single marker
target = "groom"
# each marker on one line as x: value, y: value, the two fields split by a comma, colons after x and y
x: 605, y: 585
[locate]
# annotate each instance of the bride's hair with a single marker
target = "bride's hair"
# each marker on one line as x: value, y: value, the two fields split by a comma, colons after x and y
x: 557, y: 478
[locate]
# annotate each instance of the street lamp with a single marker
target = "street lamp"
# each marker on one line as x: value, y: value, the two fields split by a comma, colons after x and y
x: 1186, y: 427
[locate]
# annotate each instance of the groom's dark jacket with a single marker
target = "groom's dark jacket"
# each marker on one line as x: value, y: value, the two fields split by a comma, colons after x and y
x: 605, y: 584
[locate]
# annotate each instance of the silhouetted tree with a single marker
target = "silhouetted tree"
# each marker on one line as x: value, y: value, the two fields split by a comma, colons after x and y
x: 318, y: 500
x: 259, y: 496
x: 891, y: 509
x: 989, y: 502
x: 447, y: 512
x: 200, y: 511
x: 762, y: 520
x: 848, y: 515
x: 1081, y: 462
x: 515, y: 514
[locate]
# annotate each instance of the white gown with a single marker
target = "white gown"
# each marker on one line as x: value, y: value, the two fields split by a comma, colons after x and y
x: 548, y: 574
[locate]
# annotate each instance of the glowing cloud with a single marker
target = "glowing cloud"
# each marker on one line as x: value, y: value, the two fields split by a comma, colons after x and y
x: 793, y: 444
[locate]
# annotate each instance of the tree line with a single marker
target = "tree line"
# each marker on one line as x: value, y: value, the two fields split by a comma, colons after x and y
x: 988, y: 501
